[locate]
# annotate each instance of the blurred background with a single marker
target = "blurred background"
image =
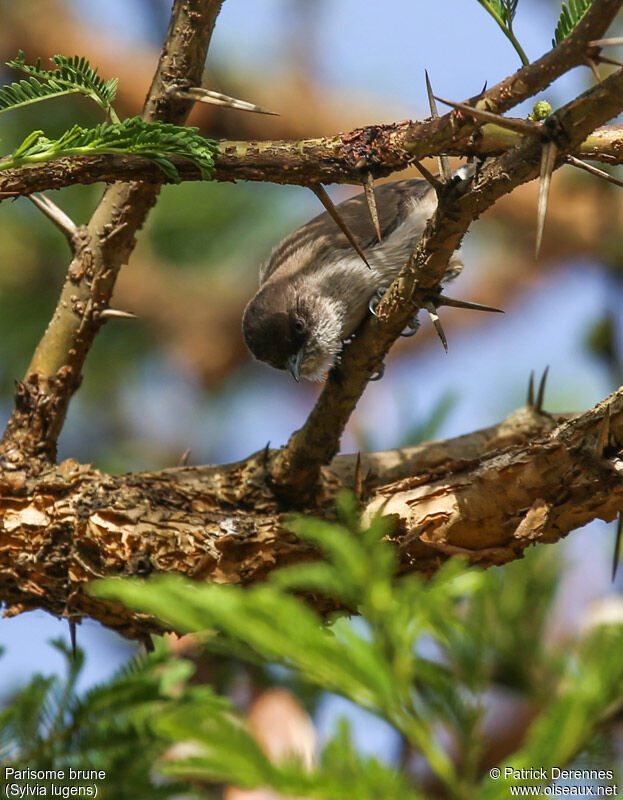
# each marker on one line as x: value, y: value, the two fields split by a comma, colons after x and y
x: 180, y: 378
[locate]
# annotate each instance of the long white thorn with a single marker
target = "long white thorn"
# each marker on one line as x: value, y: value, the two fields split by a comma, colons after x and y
x: 444, y: 163
x: 321, y: 193
x: 56, y: 215
x: 512, y: 124
x: 434, y: 316
x: 201, y: 95
x: 116, y: 313
x: 548, y: 159
x: 368, y: 187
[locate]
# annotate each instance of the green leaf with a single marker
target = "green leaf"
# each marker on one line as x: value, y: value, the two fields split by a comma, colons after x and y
x: 373, y: 663
x: 504, y: 9
x: 590, y: 687
x: 570, y: 15
x: 24, y: 93
x: 156, y: 141
x: 74, y: 74
x: 503, y: 12
x: 219, y: 748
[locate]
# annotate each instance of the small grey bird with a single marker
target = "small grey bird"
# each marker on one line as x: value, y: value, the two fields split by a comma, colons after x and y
x: 315, y: 290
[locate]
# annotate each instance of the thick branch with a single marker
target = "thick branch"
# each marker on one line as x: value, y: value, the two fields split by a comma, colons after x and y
x: 327, y: 160
x: 487, y: 495
x: 102, y: 247
x: 296, y: 467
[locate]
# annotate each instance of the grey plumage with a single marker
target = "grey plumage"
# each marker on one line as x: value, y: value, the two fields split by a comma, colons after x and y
x: 314, y: 289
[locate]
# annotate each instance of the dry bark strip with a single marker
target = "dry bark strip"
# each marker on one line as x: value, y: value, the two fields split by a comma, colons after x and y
x: 486, y: 495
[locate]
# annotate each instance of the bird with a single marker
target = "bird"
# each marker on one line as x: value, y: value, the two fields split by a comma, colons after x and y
x: 315, y: 290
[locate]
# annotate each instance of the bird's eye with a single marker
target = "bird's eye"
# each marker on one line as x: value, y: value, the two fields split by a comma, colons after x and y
x: 299, y: 325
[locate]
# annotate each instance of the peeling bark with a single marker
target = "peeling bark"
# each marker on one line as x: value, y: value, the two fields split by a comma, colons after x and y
x: 486, y: 496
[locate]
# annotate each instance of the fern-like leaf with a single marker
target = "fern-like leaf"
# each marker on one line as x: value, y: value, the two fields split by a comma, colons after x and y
x: 503, y: 12
x: 23, y: 93
x: 570, y: 15
x: 73, y: 73
x: 157, y: 141
x: 504, y: 9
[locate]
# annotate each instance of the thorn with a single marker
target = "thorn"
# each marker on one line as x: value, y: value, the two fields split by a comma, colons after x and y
x: 115, y: 313
x: 606, y: 42
x: 591, y: 63
x: 540, y: 396
x: 576, y: 162
x: 184, y: 458
x: 200, y: 95
x: 484, y: 89
x: 56, y: 215
x: 358, y: 482
x: 434, y: 182
x: 603, y: 434
x: 321, y: 193
x: 434, y: 316
x: 368, y: 187
x: 266, y: 454
x: 378, y: 374
x: 530, y: 398
x: 617, y: 546
x: 548, y: 159
x: 519, y: 125
x: 603, y: 60
x: 442, y: 300
x: 444, y: 163
x: 72, y: 637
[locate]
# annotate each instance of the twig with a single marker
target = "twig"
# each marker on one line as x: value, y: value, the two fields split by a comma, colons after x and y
x: 576, y: 162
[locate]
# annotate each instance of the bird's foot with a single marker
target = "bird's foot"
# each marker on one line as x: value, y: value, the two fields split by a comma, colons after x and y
x: 375, y: 300
x: 379, y: 373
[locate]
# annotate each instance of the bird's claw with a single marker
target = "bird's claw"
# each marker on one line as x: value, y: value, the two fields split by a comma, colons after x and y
x: 375, y: 300
x: 379, y: 373
x: 412, y: 328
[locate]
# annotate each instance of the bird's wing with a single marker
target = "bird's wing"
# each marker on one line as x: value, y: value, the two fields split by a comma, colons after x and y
x: 394, y: 201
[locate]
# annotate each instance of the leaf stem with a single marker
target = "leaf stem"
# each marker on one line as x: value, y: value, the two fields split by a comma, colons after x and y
x: 507, y: 30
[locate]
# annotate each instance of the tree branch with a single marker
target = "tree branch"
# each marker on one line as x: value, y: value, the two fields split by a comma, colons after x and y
x: 296, y: 467
x: 326, y: 160
x: 487, y: 495
x: 101, y: 248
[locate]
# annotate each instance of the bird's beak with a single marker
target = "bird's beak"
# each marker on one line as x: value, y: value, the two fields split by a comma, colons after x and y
x: 293, y: 365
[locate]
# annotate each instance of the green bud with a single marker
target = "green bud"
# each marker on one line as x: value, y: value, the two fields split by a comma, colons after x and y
x: 540, y: 110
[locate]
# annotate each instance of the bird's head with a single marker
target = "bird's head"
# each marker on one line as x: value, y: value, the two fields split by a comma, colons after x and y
x: 292, y: 328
